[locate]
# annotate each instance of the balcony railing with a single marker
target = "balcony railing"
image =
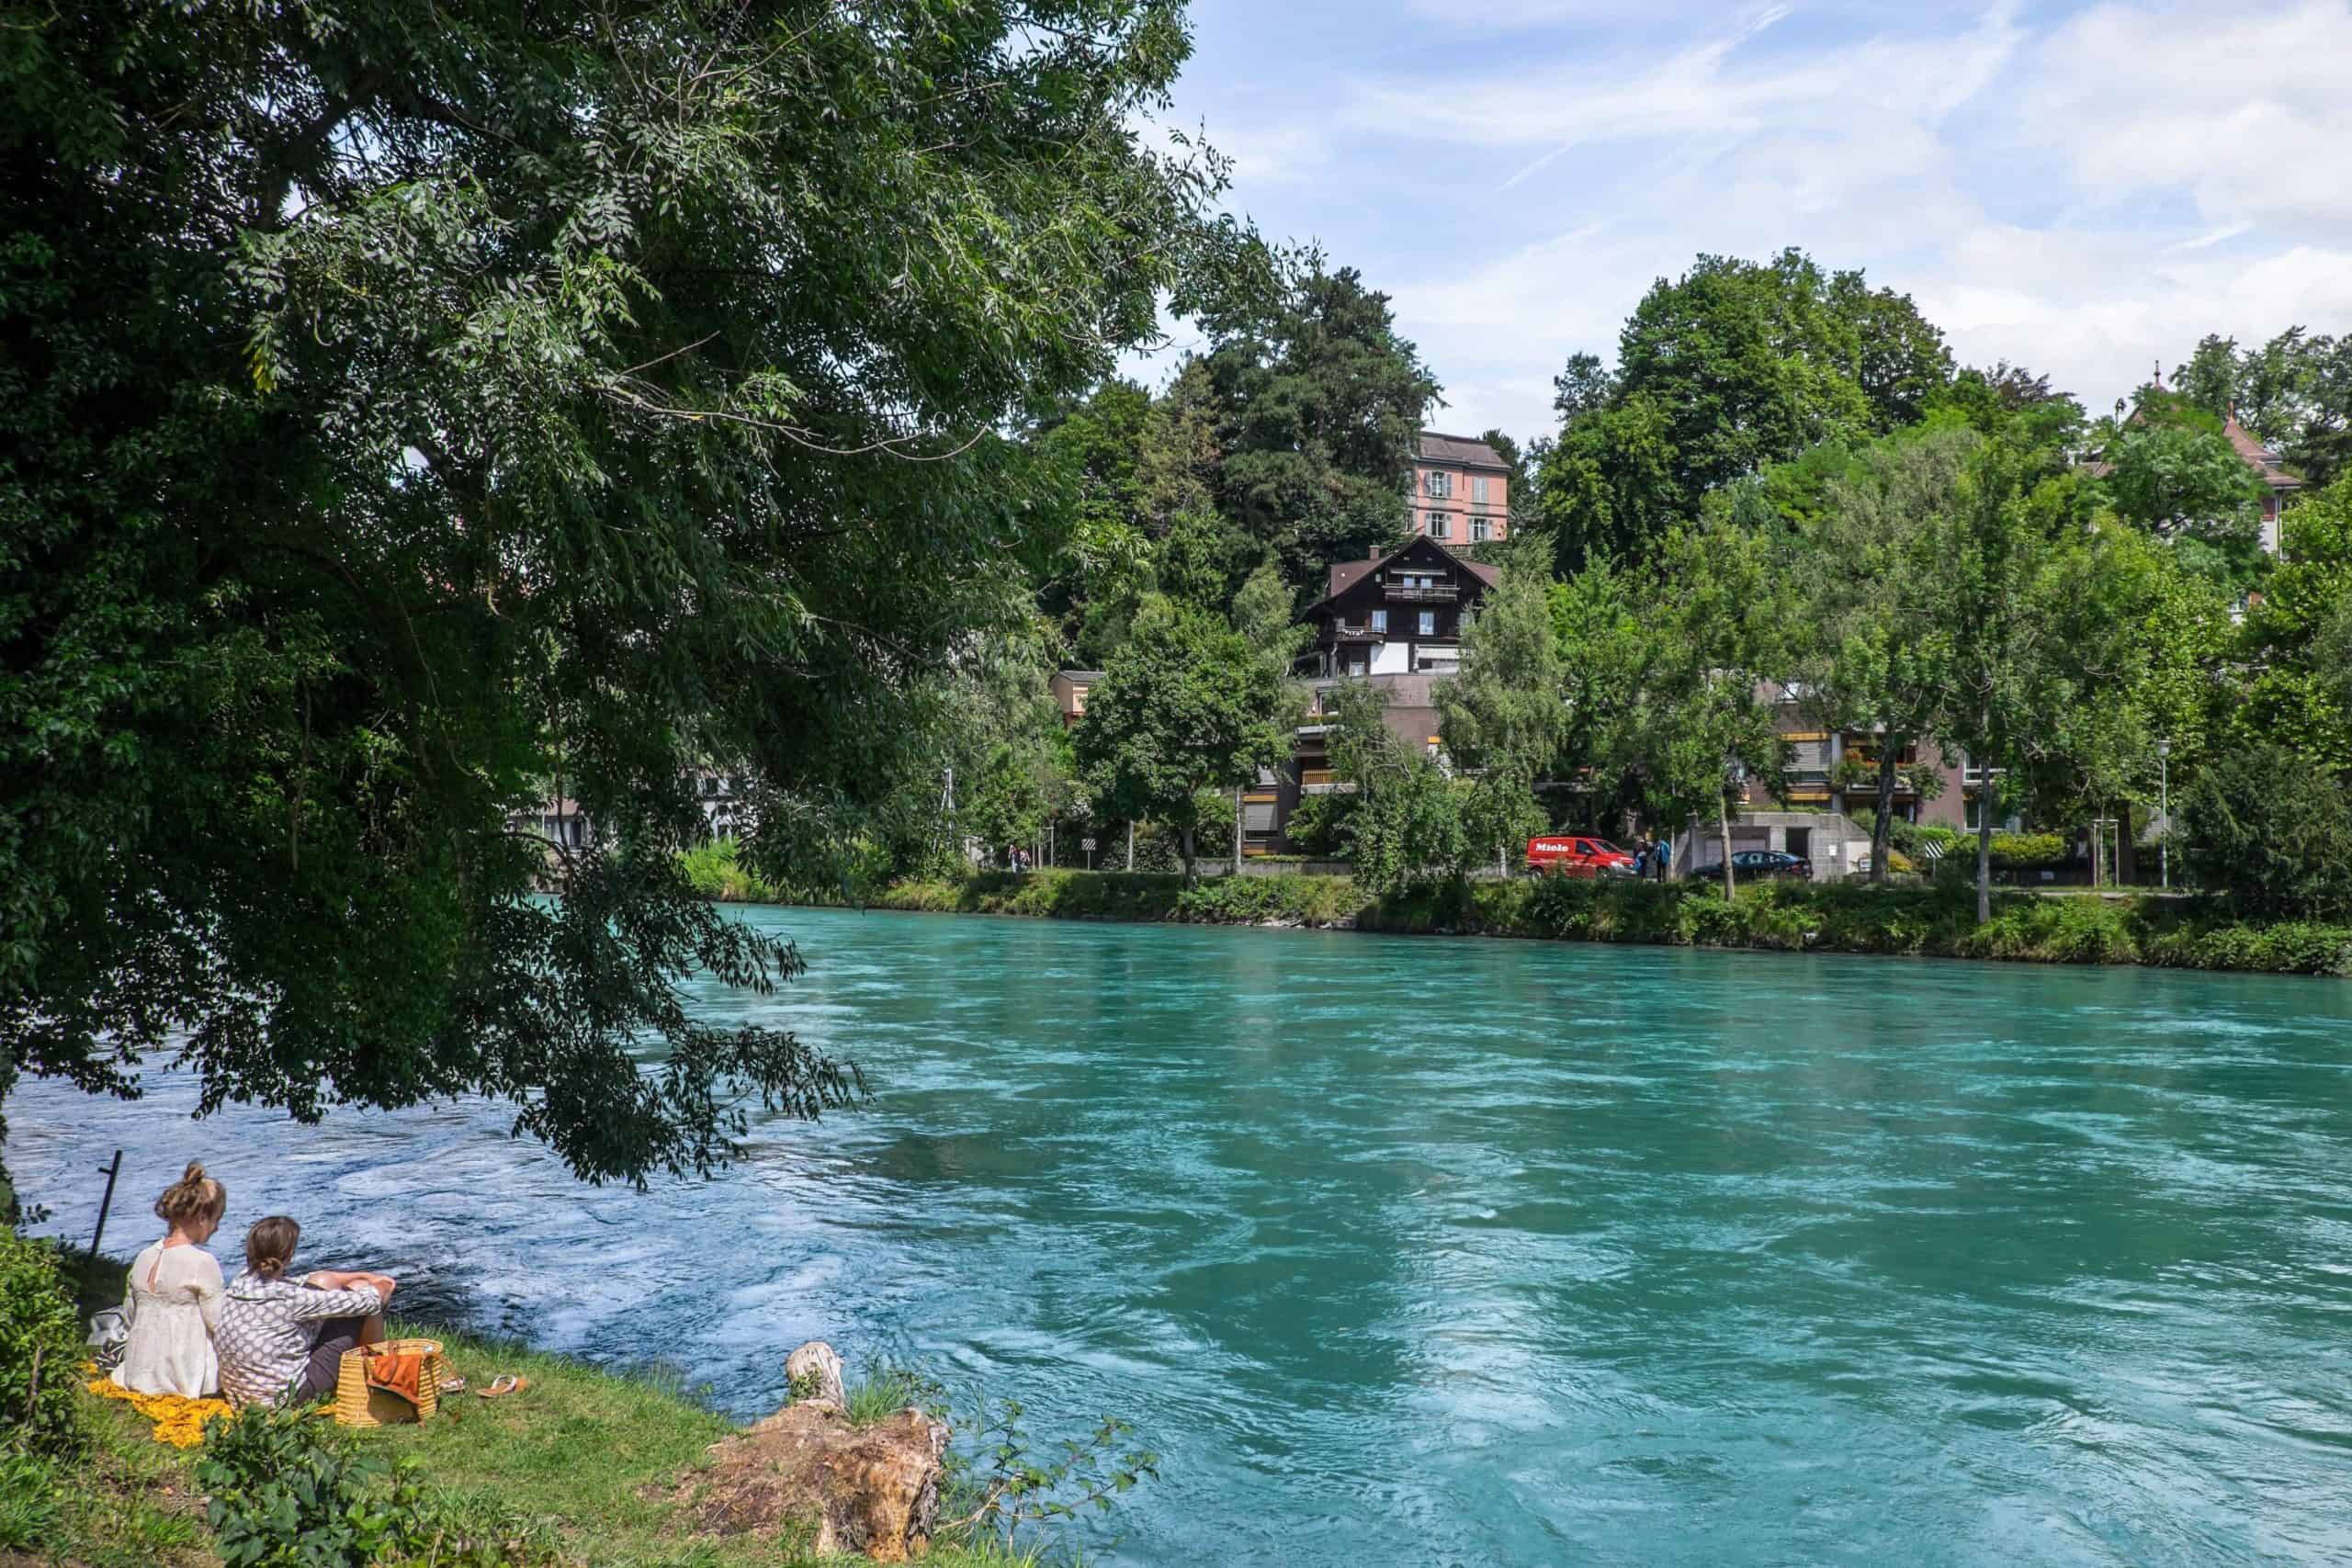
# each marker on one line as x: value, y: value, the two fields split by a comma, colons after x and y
x: 1441, y: 593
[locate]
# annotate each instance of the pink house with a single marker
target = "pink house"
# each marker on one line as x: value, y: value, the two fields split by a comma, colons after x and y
x: 1461, y: 490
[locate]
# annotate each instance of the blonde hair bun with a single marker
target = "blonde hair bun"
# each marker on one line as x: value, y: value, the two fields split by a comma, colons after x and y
x: 194, y: 1196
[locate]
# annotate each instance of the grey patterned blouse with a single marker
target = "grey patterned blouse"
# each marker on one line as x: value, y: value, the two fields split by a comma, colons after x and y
x: 266, y: 1329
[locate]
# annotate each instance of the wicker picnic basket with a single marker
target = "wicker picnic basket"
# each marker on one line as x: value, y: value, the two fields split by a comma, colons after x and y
x: 356, y: 1405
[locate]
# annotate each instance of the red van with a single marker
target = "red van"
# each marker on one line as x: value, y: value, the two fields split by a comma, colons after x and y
x: 1574, y: 854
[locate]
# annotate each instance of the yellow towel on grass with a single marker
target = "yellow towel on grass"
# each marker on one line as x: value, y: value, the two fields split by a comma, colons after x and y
x: 179, y: 1422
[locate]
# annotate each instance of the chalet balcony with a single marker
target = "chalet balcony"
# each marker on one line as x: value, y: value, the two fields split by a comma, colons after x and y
x: 1439, y: 593
x: 1322, y: 780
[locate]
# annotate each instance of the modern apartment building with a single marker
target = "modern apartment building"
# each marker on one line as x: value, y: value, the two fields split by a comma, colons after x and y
x: 1461, y: 490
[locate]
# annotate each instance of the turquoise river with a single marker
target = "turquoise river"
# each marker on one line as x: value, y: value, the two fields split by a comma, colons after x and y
x: 1446, y: 1251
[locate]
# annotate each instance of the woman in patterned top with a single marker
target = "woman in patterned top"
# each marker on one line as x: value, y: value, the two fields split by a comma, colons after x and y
x: 282, y: 1342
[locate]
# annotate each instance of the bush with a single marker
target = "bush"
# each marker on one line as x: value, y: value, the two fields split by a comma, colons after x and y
x: 2272, y: 833
x: 40, y: 1350
x: 2027, y: 852
x: 1318, y: 825
x: 286, y: 1492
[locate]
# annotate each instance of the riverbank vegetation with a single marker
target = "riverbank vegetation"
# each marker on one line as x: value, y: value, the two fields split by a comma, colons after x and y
x: 1785, y: 502
x: 1796, y: 917
x: 578, y: 1470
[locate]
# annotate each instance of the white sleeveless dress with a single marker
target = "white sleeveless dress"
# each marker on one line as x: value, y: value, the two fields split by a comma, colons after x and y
x: 172, y: 1305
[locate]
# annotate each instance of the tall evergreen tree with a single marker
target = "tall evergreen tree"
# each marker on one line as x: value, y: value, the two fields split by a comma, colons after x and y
x: 1320, y: 403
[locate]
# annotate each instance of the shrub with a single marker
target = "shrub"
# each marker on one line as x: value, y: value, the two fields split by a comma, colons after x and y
x: 40, y: 1348
x: 1319, y: 824
x: 2271, y: 833
x: 286, y: 1492
x: 2028, y: 851
x: 716, y: 870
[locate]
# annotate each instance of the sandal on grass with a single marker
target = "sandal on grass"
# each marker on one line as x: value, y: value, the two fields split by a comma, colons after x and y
x: 502, y: 1385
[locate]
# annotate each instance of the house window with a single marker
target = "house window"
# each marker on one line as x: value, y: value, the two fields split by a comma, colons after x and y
x: 1477, y: 527
x: 1439, y: 485
x: 1478, y: 488
x: 1380, y: 621
x: 1428, y: 622
x: 1438, y: 529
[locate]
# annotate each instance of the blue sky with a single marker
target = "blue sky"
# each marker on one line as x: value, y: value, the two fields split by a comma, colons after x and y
x: 2084, y: 189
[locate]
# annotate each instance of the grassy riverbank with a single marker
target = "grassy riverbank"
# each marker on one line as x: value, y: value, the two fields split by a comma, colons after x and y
x: 578, y: 1468
x: 1939, y: 921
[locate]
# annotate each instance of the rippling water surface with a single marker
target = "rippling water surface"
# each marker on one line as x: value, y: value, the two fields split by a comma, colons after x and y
x: 1452, y: 1251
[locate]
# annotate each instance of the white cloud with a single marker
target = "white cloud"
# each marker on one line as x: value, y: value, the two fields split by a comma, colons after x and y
x: 2083, y: 196
x: 2246, y: 111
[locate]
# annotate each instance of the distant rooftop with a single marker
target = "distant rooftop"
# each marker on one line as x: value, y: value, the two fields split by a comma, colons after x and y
x: 1468, y: 451
x: 1343, y: 573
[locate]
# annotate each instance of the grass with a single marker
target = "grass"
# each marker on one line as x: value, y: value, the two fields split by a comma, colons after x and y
x: 589, y: 1457
x: 1937, y: 920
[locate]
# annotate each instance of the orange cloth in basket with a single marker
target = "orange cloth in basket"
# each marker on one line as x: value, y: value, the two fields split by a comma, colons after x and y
x: 397, y: 1374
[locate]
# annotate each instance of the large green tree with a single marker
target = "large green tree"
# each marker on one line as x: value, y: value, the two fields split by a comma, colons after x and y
x: 1720, y: 372
x: 2002, y: 535
x: 2298, y: 692
x: 1185, y: 708
x: 1503, y: 715
x: 1875, y: 658
x: 1320, y: 402
x: 2294, y: 391
x: 406, y: 414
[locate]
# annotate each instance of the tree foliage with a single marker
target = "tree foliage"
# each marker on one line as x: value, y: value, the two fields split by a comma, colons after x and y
x: 2297, y: 691
x: 406, y: 417
x: 1186, y: 706
x: 1876, y: 657
x: 2272, y: 832
x: 2294, y: 392
x: 1733, y: 367
x: 1319, y: 402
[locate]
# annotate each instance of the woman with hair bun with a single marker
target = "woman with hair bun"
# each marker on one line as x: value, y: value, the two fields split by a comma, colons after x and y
x: 173, y: 1302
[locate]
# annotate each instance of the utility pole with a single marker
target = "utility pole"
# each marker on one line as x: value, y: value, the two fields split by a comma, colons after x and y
x: 1236, y: 829
x: 2164, y: 809
x: 106, y: 1203
x: 1131, y: 846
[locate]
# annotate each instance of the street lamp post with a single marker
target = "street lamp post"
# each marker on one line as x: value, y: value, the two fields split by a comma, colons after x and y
x: 2164, y: 809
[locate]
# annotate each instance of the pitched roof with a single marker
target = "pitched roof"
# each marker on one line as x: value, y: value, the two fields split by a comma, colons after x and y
x: 2257, y: 457
x: 1346, y: 574
x: 1467, y: 451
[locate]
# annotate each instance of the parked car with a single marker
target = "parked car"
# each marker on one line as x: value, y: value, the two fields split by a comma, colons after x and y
x: 1770, y: 863
x: 1577, y: 854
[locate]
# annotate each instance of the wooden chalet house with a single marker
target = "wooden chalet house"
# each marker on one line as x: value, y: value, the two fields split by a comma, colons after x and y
x: 1394, y: 620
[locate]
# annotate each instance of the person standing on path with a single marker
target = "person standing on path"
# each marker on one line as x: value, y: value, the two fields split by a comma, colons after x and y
x: 1664, y: 858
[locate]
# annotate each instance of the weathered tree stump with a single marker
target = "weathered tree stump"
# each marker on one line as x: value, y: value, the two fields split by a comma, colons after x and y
x: 871, y: 1489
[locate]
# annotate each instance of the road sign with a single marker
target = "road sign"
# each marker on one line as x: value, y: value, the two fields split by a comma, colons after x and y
x: 1087, y: 844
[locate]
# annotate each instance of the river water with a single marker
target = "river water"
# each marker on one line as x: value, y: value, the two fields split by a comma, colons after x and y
x: 1447, y: 1251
